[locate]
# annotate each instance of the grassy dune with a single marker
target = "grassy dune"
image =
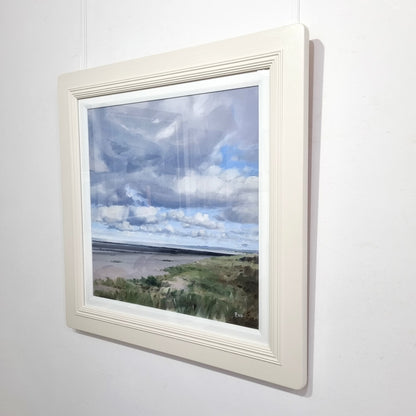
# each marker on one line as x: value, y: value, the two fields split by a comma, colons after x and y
x: 222, y: 288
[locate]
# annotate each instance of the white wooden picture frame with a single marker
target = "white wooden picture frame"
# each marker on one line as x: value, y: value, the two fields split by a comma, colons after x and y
x: 273, y: 64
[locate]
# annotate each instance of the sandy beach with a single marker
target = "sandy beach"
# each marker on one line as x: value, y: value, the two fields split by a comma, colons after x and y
x: 137, y: 264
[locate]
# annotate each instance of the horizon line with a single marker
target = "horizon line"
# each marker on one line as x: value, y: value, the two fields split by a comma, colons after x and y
x: 170, y: 247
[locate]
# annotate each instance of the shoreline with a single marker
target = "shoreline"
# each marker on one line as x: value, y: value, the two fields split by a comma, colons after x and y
x: 98, y: 246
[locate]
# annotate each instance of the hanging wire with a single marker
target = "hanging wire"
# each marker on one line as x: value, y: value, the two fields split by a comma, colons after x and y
x: 84, y: 45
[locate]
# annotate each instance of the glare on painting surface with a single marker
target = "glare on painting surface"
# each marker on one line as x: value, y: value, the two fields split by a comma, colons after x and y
x: 174, y: 203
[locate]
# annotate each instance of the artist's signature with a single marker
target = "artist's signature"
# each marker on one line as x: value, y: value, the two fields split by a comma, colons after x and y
x: 238, y: 315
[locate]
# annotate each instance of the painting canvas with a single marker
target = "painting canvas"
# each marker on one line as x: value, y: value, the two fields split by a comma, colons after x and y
x: 174, y: 203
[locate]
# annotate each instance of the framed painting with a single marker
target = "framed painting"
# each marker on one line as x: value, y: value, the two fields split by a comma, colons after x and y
x: 185, y: 203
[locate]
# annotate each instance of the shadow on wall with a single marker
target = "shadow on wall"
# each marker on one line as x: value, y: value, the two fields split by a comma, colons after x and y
x: 316, y: 74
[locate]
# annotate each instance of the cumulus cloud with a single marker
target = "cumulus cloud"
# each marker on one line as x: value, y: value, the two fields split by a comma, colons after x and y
x: 111, y: 215
x: 242, y: 213
x: 143, y: 215
x: 198, y: 219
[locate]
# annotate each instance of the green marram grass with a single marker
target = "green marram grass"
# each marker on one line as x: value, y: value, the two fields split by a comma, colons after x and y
x: 223, y: 288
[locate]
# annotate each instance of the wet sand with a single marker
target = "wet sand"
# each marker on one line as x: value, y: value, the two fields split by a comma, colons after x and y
x: 137, y: 264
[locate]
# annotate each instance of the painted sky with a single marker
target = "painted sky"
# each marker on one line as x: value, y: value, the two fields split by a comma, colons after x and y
x: 178, y: 171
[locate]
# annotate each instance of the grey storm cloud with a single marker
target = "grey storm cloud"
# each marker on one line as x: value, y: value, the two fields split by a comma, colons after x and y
x: 169, y: 153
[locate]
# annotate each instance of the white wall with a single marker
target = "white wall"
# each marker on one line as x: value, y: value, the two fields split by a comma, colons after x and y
x: 363, y: 204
